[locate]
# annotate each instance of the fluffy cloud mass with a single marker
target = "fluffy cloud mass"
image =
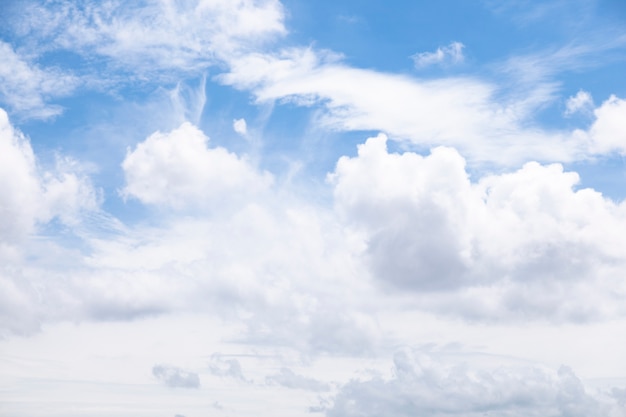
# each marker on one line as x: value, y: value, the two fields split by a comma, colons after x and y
x: 510, y: 244
x: 31, y: 195
x: 608, y: 132
x: 178, y: 170
x: 31, y: 198
x: 175, y: 377
x: 368, y: 232
x: 426, y: 385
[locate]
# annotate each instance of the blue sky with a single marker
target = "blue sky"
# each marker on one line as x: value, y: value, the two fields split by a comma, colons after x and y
x: 341, y: 208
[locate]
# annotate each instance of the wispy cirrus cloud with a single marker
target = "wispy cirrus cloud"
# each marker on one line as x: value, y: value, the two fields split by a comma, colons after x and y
x: 26, y: 88
x: 153, y: 38
x: 472, y: 114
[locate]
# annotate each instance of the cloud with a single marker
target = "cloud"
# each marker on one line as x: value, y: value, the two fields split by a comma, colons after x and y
x: 226, y: 368
x: 582, y: 102
x: 153, y: 38
x: 34, y: 201
x: 30, y: 195
x: 620, y: 395
x: 21, y: 187
x: 525, y: 12
x: 451, y: 54
x: 26, y: 89
x: 178, y: 170
x: 174, y: 377
x: 425, y: 385
x: 467, y: 113
x: 290, y: 291
x: 240, y: 126
x: 189, y: 101
x: 521, y: 240
x: 608, y: 131
x: 287, y: 378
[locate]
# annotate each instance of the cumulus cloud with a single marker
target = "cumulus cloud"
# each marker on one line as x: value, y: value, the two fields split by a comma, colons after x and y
x: 226, y: 368
x: 521, y: 240
x: 425, y: 385
x: 608, y: 132
x: 26, y: 89
x: 177, y: 169
x: 297, y: 265
x: 21, y: 187
x: 289, y: 379
x: 582, y: 102
x: 31, y: 198
x: 30, y: 195
x: 240, y: 126
x: 451, y: 54
x: 174, y: 377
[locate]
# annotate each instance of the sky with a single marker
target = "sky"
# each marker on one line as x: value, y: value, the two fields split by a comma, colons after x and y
x: 330, y: 208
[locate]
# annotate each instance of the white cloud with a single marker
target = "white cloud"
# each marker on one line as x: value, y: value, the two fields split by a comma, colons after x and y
x: 155, y: 35
x: 451, y: 54
x: 30, y: 198
x: 240, y: 126
x: 25, y: 88
x: 289, y: 379
x: 462, y: 112
x: 178, y: 170
x: 521, y: 240
x: 423, y: 384
x: 608, y: 132
x: 230, y: 368
x: 582, y: 102
x: 288, y: 292
x: 20, y: 186
x: 189, y: 101
x: 175, y: 377
x: 30, y: 195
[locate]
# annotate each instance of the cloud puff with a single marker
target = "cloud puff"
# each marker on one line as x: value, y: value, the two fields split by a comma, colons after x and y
x: 287, y: 378
x: 426, y: 385
x: 26, y: 88
x: 30, y: 195
x: 582, y: 102
x: 226, y: 368
x: 451, y: 54
x: 608, y: 132
x: 178, y: 170
x: 521, y: 240
x: 240, y: 126
x: 34, y: 198
x: 174, y: 377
